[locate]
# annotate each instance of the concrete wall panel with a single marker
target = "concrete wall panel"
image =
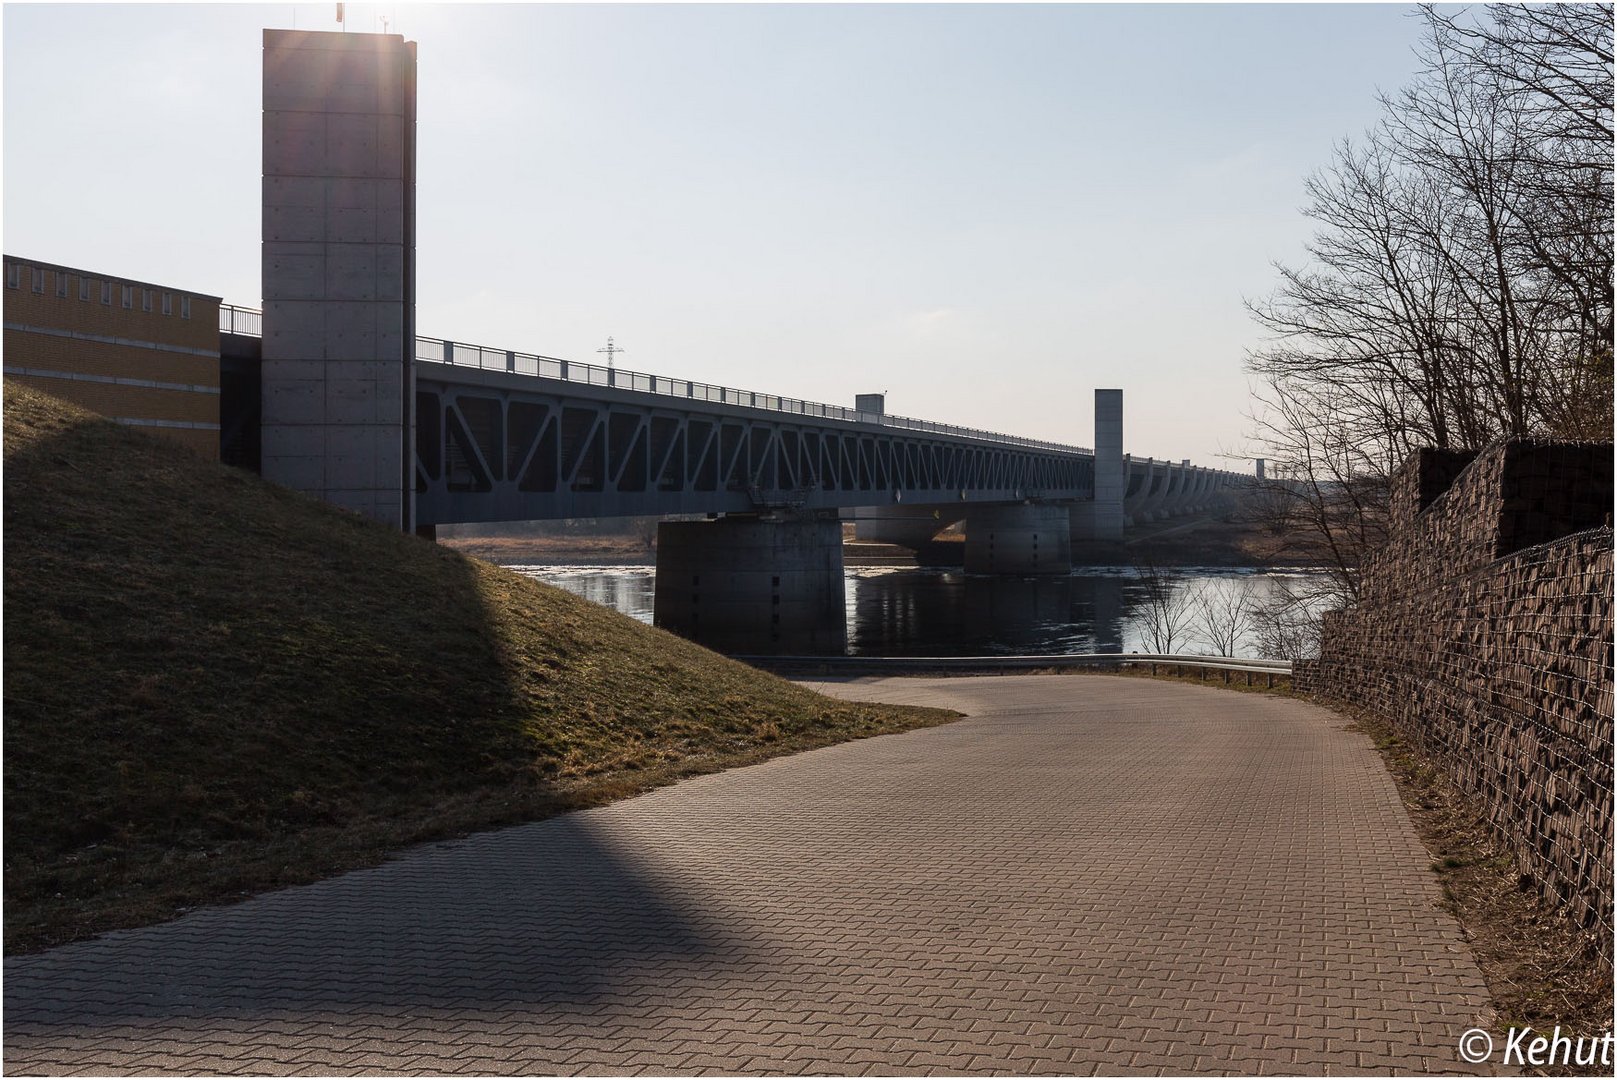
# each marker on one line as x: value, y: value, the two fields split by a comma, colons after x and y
x: 295, y: 190
x: 300, y: 401
x: 294, y: 144
x: 294, y: 224
x: 298, y: 269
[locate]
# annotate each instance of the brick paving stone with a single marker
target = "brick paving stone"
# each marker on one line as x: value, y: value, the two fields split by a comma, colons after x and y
x: 1088, y: 875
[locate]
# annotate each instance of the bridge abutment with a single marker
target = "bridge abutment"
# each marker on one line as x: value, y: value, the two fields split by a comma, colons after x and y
x: 753, y: 585
x: 1028, y: 539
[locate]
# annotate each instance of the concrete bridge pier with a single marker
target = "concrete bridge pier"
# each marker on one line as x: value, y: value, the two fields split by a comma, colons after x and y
x: 753, y: 584
x: 1192, y: 497
x: 1033, y: 538
x: 1147, y: 495
x: 1203, y: 478
x: 1172, y: 501
x: 1138, y: 478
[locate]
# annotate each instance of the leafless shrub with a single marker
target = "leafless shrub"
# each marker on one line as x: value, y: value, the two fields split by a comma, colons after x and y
x: 1224, y: 611
x: 1166, y: 614
x: 1286, y: 622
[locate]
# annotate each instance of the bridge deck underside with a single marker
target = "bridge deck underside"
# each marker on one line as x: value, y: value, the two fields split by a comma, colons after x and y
x: 520, y: 448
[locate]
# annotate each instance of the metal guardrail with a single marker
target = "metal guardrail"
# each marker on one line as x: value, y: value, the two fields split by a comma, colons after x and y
x: 875, y: 665
x: 437, y: 350
x: 249, y: 321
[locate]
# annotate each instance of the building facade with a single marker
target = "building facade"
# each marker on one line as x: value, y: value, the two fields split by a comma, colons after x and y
x: 141, y: 354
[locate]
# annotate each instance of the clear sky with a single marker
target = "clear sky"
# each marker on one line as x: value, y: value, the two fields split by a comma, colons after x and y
x: 985, y: 211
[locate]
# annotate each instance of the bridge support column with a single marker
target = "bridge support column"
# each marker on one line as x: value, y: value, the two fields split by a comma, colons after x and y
x: 1146, y: 505
x: 1201, y: 489
x: 1172, y: 503
x: 1028, y: 539
x: 753, y: 585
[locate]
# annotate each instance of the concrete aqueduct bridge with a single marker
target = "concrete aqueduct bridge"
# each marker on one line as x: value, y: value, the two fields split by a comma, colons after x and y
x: 512, y: 436
x: 418, y: 432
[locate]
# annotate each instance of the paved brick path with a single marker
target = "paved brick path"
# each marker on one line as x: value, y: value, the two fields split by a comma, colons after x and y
x: 1092, y: 874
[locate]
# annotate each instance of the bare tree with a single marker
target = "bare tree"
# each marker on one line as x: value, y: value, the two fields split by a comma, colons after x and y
x: 1224, y: 612
x: 1286, y: 622
x: 1165, y: 611
x: 645, y: 530
x: 1459, y: 284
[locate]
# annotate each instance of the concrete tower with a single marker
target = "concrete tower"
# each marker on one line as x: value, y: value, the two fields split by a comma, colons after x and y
x: 1109, y: 479
x: 339, y: 269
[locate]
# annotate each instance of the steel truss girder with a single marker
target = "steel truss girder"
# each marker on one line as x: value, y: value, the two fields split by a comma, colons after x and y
x: 497, y: 447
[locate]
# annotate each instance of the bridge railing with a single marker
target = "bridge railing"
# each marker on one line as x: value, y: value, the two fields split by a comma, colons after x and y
x: 1156, y: 663
x: 249, y: 321
x: 460, y: 354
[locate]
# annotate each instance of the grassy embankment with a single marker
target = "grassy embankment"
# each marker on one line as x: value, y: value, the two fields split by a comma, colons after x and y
x: 215, y: 686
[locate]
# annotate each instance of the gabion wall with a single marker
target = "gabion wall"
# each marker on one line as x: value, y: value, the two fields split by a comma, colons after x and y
x: 1483, y: 631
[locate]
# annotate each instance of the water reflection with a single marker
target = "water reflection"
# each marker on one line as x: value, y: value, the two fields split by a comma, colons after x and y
x: 629, y: 589
x: 949, y: 613
x: 932, y: 612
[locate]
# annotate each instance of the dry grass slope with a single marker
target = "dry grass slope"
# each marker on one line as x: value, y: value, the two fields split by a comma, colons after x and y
x: 215, y: 686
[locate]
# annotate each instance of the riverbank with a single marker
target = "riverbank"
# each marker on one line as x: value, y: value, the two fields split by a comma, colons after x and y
x: 555, y: 550
x: 1204, y: 541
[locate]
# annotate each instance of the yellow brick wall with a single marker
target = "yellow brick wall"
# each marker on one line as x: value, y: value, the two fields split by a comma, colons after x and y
x: 133, y: 402
x: 205, y: 441
x: 200, y: 331
x: 24, y: 349
x: 52, y: 353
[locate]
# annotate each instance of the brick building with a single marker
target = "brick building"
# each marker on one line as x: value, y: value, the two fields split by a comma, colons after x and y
x: 142, y: 354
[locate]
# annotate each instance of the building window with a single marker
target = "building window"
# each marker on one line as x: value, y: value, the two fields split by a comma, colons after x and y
x: 168, y: 303
x: 145, y: 299
x: 129, y: 296
x: 185, y: 307
x: 106, y: 293
x: 39, y: 280
x: 61, y: 285
x: 84, y: 287
x: 13, y: 276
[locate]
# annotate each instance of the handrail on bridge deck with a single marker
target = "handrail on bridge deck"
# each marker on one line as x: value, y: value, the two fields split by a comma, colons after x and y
x: 249, y: 321
x: 877, y: 665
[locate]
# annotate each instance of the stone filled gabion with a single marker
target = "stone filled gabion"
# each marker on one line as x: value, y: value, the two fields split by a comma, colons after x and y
x: 1483, y: 632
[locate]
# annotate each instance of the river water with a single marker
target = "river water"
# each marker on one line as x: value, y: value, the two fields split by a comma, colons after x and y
x: 907, y: 611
